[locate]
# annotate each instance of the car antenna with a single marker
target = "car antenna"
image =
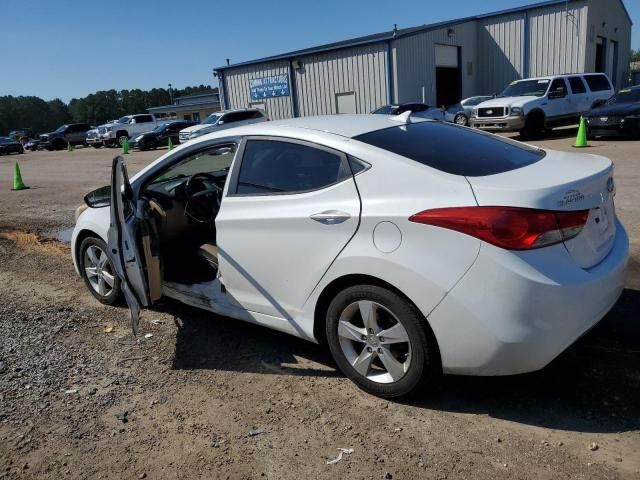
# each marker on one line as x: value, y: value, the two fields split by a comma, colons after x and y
x: 403, y: 117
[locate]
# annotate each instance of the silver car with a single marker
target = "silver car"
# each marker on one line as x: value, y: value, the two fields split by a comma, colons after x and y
x: 461, y: 111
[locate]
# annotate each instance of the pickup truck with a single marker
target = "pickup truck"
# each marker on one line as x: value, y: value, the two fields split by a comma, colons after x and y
x: 128, y: 127
x: 74, y: 134
x: 533, y: 105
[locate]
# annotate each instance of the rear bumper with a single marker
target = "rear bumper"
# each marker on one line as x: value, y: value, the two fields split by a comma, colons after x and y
x: 503, y: 124
x: 514, y: 312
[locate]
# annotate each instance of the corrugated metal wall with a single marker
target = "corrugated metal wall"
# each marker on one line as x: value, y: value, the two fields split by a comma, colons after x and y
x: 414, y: 62
x: 500, y: 52
x: 362, y: 70
x: 557, y: 39
x: 237, y: 87
x: 607, y: 19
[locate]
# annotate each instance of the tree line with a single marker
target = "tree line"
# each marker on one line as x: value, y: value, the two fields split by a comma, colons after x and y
x: 44, y: 116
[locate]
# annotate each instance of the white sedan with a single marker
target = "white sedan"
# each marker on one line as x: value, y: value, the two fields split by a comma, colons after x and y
x: 411, y: 247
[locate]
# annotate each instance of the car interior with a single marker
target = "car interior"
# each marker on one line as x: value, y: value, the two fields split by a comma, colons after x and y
x: 183, y: 203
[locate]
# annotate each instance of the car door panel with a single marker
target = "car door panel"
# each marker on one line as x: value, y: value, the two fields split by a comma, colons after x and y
x: 274, y: 249
x: 122, y: 245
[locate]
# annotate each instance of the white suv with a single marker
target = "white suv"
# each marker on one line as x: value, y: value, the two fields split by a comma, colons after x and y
x: 532, y: 105
x: 222, y: 120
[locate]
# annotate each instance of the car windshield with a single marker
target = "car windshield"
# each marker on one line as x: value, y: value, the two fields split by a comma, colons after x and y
x: 386, y: 110
x: 627, y: 95
x: 123, y: 120
x: 526, y: 88
x: 5, y: 140
x: 453, y: 149
x: 211, y: 119
x: 62, y: 128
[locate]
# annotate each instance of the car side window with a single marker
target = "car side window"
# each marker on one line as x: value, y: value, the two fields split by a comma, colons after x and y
x: 577, y: 85
x: 256, y: 114
x: 597, y: 82
x: 558, y: 87
x: 277, y: 167
x: 144, y: 119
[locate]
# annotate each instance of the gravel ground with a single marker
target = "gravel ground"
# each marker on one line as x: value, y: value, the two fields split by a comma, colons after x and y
x: 209, y: 397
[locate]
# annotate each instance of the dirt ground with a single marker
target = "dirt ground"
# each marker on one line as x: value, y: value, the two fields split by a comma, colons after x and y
x: 209, y: 397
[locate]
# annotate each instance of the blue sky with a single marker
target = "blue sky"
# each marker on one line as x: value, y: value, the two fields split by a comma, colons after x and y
x: 70, y: 48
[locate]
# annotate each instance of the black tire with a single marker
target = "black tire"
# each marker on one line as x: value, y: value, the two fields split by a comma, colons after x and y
x: 120, y: 138
x: 21, y: 150
x: 115, y: 295
x: 461, y: 119
x: 424, y: 356
x: 59, y: 145
x: 533, y: 126
x: 96, y: 145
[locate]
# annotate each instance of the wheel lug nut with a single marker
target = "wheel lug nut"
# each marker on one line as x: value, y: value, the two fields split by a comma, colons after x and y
x: 371, y: 330
x: 381, y: 339
x: 369, y: 349
x: 379, y: 350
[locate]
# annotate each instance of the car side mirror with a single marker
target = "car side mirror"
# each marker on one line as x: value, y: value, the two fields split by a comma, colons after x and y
x: 221, y: 122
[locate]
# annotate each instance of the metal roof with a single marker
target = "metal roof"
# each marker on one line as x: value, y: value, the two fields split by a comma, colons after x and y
x: 404, y: 32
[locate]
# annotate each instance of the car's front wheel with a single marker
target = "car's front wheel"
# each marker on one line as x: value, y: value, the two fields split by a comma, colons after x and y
x: 461, y: 119
x: 380, y: 341
x: 97, y: 271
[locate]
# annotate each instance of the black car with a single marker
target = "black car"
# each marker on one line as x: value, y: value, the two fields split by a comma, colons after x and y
x: 159, y: 136
x: 10, y: 146
x: 618, y: 116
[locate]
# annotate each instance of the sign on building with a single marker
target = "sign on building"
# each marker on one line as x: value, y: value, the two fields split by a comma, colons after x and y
x: 268, y: 87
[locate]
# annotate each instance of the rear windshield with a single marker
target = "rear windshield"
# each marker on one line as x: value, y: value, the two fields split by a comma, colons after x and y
x: 453, y: 149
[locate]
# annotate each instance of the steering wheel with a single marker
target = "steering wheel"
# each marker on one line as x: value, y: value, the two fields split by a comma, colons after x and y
x: 203, y: 197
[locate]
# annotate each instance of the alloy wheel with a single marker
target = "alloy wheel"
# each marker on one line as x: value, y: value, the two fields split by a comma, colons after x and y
x: 98, y: 270
x: 374, y: 341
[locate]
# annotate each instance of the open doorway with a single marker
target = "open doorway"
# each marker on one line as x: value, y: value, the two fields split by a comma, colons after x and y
x: 601, y: 55
x: 448, y: 75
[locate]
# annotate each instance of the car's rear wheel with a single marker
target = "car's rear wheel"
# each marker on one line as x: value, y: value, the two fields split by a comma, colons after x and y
x: 461, y: 119
x: 97, y: 271
x: 380, y: 341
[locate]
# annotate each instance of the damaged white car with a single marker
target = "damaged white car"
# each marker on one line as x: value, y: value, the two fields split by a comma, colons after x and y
x: 410, y: 246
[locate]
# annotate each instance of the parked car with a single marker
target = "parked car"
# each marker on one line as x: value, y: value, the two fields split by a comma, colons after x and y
x: 223, y: 120
x: 21, y: 135
x: 421, y: 110
x: 7, y: 146
x: 618, y: 116
x: 93, y: 137
x: 534, y: 105
x: 461, y: 112
x: 411, y: 247
x: 74, y: 134
x: 127, y: 127
x: 32, y: 145
x: 159, y: 136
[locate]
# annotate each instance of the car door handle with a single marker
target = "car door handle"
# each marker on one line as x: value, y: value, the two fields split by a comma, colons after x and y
x: 330, y: 217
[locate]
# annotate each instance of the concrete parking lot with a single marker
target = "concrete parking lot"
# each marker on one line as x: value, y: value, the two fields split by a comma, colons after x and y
x: 208, y: 397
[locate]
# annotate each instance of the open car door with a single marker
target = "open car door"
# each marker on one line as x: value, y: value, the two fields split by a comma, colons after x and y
x: 130, y: 227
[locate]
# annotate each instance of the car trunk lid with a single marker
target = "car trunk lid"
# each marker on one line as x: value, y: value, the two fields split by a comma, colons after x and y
x: 561, y: 182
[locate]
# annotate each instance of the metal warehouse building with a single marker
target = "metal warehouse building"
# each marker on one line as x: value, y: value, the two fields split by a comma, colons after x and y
x: 439, y: 63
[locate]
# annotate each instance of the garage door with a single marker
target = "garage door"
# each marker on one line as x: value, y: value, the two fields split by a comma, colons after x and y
x: 446, y: 56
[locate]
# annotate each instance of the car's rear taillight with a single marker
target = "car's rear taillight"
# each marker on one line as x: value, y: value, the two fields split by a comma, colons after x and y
x: 512, y: 228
